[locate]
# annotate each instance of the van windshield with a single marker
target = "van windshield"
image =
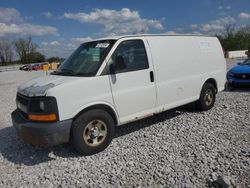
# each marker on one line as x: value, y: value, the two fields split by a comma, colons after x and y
x: 86, y: 60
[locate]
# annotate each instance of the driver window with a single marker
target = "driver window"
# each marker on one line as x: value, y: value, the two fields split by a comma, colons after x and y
x: 130, y: 56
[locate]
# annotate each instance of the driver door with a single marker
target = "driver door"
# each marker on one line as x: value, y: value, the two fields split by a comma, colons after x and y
x: 132, y: 81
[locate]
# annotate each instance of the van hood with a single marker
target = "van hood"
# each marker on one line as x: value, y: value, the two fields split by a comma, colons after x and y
x: 40, y: 86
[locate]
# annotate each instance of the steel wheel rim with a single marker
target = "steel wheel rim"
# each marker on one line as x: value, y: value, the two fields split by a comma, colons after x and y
x: 95, y: 133
x: 208, y: 97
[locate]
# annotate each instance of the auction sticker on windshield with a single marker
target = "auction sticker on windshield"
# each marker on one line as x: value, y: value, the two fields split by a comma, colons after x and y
x: 102, y: 45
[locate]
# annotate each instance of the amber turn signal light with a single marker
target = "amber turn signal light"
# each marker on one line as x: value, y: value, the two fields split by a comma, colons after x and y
x: 42, y: 117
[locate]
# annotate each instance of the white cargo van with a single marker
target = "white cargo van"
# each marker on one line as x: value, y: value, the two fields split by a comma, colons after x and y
x: 109, y: 82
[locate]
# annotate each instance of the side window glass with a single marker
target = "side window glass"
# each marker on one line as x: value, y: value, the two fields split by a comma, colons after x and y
x: 130, y: 56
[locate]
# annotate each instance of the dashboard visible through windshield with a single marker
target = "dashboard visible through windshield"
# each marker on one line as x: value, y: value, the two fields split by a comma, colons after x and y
x: 86, y: 60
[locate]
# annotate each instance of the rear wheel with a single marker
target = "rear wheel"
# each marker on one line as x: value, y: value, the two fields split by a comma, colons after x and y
x: 92, y: 132
x: 207, y: 97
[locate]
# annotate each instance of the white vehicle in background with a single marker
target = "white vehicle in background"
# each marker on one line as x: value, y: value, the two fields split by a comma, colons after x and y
x: 236, y: 54
x: 113, y: 81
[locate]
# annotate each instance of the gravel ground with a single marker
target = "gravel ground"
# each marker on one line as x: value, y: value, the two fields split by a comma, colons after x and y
x: 178, y: 148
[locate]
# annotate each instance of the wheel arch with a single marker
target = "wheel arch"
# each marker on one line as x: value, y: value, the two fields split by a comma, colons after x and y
x: 213, y: 82
x: 103, y: 106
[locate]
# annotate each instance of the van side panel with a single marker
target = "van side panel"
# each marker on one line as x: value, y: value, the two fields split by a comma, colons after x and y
x: 182, y: 65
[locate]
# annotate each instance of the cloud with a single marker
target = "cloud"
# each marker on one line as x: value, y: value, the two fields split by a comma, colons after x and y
x: 81, y: 39
x: 194, y: 26
x: 196, y: 33
x: 244, y: 16
x: 62, y: 48
x: 224, y: 21
x: 52, y: 43
x: 53, y: 48
x: 211, y: 27
x: 13, y: 23
x: 26, y: 29
x: 75, y: 42
x: 115, y: 22
x: 220, y: 7
x: 224, y: 7
x: 171, y: 33
x: 224, y: 10
x: 214, y: 26
x: 47, y: 14
x: 9, y: 15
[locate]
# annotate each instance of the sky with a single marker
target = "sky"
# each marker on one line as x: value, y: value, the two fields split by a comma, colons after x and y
x: 60, y: 26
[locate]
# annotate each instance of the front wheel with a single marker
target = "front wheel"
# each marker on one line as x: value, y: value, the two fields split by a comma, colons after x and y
x: 207, y: 97
x: 92, y: 132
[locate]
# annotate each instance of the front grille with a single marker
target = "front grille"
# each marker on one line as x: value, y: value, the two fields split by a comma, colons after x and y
x: 242, y: 76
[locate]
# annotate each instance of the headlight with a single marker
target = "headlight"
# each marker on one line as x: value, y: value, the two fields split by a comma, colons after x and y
x: 42, y: 105
x: 42, y: 117
x: 230, y: 74
x: 43, y: 109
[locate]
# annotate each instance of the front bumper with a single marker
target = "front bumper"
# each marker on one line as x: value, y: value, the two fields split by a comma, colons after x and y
x: 41, y: 134
x: 237, y: 82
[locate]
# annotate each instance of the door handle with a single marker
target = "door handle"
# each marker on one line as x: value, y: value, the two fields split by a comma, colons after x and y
x: 152, y: 79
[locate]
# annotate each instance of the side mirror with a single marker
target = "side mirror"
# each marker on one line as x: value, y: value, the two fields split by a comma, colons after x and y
x: 239, y: 63
x: 111, y: 69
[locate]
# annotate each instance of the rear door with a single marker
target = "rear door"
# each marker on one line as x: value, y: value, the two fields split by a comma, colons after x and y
x: 132, y: 84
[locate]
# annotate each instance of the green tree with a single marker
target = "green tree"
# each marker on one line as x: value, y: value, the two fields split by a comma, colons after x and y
x: 35, y: 57
x: 54, y: 59
x: 6, y: 52
x: 24, y: 47
x: 235, y: 39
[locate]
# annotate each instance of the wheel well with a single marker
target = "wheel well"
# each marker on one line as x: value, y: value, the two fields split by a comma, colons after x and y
x: 102, y: 107
x: 212, y: 81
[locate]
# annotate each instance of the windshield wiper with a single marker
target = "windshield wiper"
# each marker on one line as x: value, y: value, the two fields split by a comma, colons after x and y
x: 66, y: 72
x: 69, y: 72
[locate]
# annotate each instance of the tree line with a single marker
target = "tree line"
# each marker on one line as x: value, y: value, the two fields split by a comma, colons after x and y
x: 25, y: 49
x: 235, y: 39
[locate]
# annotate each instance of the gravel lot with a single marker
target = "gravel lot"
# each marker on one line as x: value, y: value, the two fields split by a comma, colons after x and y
x: 178, y: 148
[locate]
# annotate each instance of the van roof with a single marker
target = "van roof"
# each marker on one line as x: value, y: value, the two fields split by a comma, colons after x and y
x: 147, y: 35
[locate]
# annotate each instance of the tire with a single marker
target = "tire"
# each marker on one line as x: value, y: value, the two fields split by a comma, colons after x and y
x: 92, y: 132
x: 207, y: 97
x: 229, y: 87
